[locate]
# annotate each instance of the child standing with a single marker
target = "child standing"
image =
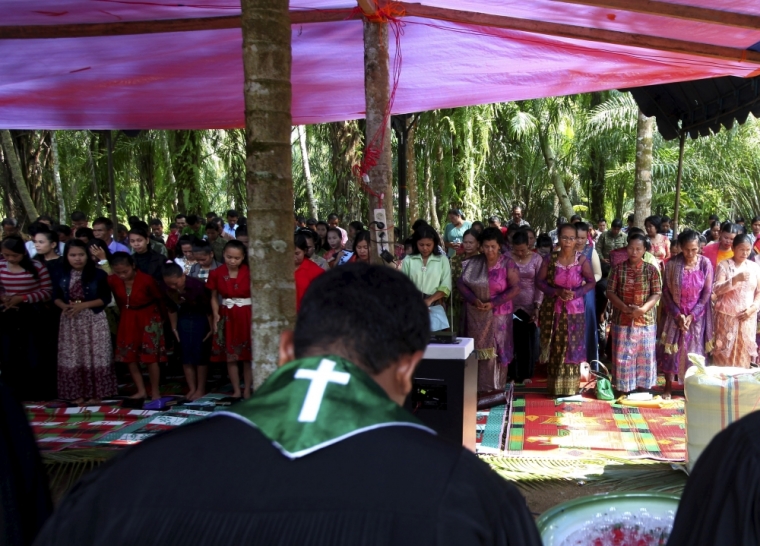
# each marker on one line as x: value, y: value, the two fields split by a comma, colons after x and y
x: 85, y: 368
x: 140, y: 339
x: 232, y: 318
x: 205, y: 262
x: 189, y: 307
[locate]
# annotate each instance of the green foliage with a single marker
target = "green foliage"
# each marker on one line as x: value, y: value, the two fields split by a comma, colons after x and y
x: 483, y: 159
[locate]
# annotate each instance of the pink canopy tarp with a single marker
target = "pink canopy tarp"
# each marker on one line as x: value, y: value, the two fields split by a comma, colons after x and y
x: 194, y: 79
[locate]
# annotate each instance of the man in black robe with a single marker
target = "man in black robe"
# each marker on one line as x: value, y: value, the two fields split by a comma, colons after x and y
x: 323, y: 453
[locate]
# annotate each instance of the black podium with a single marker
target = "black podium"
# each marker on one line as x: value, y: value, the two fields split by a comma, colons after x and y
x: 444, y: 391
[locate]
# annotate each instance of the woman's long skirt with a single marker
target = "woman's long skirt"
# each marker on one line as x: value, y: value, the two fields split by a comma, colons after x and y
x: 493, y: 372
x: 85, y: 357
x: 735, y: 341
x: 563, y: 368
x: 633, y: 353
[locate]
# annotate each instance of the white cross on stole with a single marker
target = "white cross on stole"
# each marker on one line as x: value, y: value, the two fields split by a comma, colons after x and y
x: 319, y: 378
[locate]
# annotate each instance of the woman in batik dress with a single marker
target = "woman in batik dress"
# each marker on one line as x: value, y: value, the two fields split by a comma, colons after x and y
x: 565, y: 278
x: 488, y: 284
x: 634, y: 288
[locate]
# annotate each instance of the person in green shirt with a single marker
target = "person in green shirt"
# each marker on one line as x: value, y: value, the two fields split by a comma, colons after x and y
x: 194, y: 227
x: 430, y: 271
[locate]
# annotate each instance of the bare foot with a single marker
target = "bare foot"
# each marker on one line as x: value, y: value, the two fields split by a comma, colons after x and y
x: 190, y: 395
x: 236, y: 393
x: 139, y: 395
x: 199, y: 394
x: 247, y: 394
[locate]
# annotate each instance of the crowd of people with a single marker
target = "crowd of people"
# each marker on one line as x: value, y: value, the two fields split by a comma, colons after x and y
x: 76, y: 300
x: 641, y: 298
x: 79, y: 300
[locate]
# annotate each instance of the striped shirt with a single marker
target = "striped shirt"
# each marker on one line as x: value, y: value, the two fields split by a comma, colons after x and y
x: 23, y: 284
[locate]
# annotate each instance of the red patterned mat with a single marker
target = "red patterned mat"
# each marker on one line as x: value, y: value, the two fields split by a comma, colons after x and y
x: 542, y: 425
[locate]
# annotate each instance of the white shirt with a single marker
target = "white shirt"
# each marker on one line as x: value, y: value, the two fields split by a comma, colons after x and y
x: 30, y: 248
x: 230, y: 230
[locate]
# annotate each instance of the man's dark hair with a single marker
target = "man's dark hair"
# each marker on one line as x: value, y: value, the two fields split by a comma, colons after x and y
x: 133, y: 221
x: 631, y: 218
x: 213, y: 226
x: 102, y: 220
x: 311, y: 222
x: 63, y: 230
x: 542, y: 241
x: 241, y: 231
x: 714, y: 217
x: 617, y: 223
x: 600, y: 220
x: 232, y: 213
x: 665, y: 219
x: 180, y: 216
x: 210, y: 215
x: 333, y: 216
x: 9, y: 222
x: 738, y: 219
x: 193, y: 220
x: 156, y: 222
x: 575, y: 218
x: 171, y: 269
x: 374, y: 315
x: 85, y: 232
x: 78, y: 216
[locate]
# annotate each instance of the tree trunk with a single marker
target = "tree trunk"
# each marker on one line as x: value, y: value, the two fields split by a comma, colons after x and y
x: 168, y: 165
x: 307, y: 172
x: 188, y: 150
x: 643, y: 181
x: 93, y: 173
x: 411, y: 178
x: 432, y: 204
x: 269, y: 179
x: 16, y: 174
x: 9, y: 195
x: 559, y: 186
x: 378, y: 131
x: 57, y: 178
x: 597, y: 170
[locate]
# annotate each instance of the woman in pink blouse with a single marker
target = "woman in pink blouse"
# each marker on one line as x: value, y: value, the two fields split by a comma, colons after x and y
x: 526, y: 304
x: 27, y: 358
x: 737, y: 287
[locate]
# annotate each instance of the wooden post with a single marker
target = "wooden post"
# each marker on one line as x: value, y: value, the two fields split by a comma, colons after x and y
x: 378, y: 127
x: 679, y: 177
x: 269, y: 181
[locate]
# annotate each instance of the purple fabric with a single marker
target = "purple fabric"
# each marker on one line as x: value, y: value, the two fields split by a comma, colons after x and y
x: 505, y: 345
x: 685, y: 292
x: 572, y: 278
x: 528, y: 293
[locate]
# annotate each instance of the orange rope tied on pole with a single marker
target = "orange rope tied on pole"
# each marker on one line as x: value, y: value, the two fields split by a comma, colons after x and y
x: 390, y: 13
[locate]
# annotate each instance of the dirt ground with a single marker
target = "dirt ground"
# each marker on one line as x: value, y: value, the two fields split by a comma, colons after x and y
x: 542, y: 497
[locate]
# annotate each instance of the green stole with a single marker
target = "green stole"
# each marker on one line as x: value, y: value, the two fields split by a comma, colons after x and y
x: 312, y: 403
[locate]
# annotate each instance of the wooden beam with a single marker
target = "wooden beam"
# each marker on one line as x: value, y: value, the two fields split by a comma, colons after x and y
x: 414, y: 10
x: 88, y: 30
x: 676, y: 11
x: 583, y: 33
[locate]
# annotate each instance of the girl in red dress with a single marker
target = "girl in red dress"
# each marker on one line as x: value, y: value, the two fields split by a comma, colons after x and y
x: 232, y: 318
x: 140, y: 339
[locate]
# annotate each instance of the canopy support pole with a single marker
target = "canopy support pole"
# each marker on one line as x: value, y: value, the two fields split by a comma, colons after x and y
x: 111, y: 184
x: 378, y: 133
x: 679, y: 177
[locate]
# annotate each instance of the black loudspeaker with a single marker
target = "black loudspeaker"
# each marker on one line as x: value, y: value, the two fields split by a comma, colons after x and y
x: 444, y: 397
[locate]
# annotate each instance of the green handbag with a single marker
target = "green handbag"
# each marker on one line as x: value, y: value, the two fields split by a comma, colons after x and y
x: 603, y: 383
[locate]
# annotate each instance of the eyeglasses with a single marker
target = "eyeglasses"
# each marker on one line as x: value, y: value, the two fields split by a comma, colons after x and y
x: 567, y: 238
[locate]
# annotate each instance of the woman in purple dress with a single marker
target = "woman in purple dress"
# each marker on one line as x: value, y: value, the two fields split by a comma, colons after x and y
x: 565, y: 278
x: 687, y: 286
x: 488, y: 284
x: 526, y: 305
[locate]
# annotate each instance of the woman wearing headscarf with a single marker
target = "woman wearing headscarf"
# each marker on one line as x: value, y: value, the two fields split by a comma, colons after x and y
x: 565, y: 278
x: 687, y: 286
x: 488, y: 284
